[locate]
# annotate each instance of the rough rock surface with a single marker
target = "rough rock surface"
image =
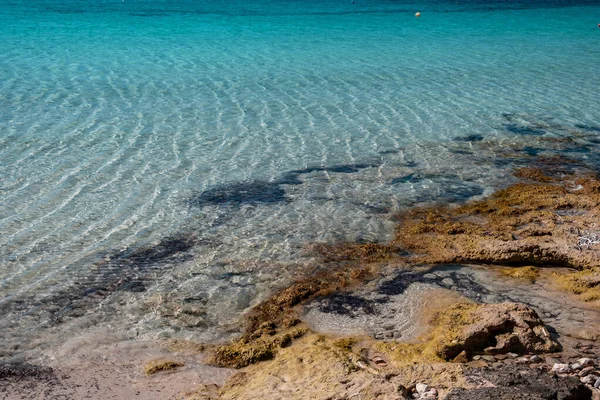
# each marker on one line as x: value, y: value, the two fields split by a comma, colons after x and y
x: 527, y: 384
x: 541, y: 223
x: 498, y: 329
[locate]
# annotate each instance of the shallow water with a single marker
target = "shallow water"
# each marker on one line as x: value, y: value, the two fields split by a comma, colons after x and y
x: 166, y: 164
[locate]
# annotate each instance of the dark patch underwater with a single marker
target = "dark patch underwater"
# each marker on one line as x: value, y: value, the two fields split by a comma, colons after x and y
x: 125, y: 271
x: 263, y: 192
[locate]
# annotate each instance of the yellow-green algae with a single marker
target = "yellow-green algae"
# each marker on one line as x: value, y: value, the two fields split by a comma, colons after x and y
x: 529, y: 225
x: 274, y: 324
x: 244, y: 352
x: 585, y: 284
x: 161, y: 365
x: 528, y: 273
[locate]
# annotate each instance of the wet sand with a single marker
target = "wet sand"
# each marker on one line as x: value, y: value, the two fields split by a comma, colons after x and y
x: 87, y: 369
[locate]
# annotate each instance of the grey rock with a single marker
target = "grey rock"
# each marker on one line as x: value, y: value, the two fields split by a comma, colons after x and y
x: 512, y: 355
x: 597, y: 383
x: 515, y: 384
x: 586, y: 371
x: 421, y: 388
x: 429, y: 395
x: 576, y: 367
x: 586, y: 362
x: 447, y: 282
x: 489, y: 358
x: 536, y: 359
x: 588, y: 380
x: 561, y: 368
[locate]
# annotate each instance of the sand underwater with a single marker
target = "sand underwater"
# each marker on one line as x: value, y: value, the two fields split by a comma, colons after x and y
x: 300, y: 200
x: 495, y: 297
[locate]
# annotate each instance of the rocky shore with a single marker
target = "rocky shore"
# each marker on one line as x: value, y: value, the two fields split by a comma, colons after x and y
x: 496, y: 298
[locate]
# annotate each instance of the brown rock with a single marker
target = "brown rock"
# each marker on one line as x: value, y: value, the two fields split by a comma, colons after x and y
x: 161, y: 365
x: 517, y: 226
x: 461, y: 358
x: 500, y: 329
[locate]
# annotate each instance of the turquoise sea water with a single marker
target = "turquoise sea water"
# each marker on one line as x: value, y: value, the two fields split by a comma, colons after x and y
x: 165, y: 164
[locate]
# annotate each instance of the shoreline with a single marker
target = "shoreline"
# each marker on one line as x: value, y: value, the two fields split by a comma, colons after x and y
x: 530, y: 243
x: 539, y: 230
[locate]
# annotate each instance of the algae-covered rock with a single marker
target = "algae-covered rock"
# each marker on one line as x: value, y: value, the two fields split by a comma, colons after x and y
x: 274, y: 324
x: 527, y: 273
x: 526, y: 224
x: 586, y: 284
x: 239, y: 355
x: 317, y: 367
x: 161, y: 365
x: 493, y: 329
x: 244, y: 353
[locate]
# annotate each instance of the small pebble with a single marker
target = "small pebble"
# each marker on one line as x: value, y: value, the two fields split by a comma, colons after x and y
x: 586, y: 371
x: 512, y: 355
x: 576, y: 367
x: 561, y: 368
x: 501, y: 357
x: 588, y: 380
x: 523, y: 360
x: 489, y: 358
x: 447, y: 282
x: 597, y: 384
x: 586, y: 362
x: 535, y: 359
x: 476, y: 358
x: 421, y: 388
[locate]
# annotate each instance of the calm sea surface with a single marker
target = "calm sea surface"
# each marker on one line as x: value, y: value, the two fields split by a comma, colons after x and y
x: 166, y: 164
